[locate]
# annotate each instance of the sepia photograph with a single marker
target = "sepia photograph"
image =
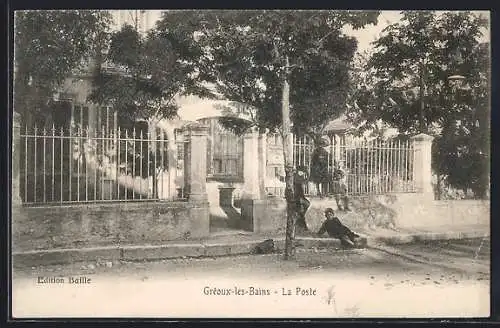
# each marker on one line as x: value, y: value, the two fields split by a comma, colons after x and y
x: 301, y: 164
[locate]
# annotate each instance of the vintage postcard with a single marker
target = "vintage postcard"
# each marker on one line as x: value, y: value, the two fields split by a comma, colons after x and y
x: 251, y: 164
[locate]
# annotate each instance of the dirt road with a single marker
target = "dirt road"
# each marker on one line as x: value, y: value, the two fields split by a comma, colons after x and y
x: 451, y: 280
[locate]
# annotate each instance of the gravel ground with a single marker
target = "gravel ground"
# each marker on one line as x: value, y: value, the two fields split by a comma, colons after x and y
x: 351, y: 283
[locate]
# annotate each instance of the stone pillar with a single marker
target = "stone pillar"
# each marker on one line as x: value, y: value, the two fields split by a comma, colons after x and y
x: 251, y: 170
x: 19, y: 219
x: 251, y: 165
x: 16, y: 160
x: 422, y: 170
x: 195, y: 179
x: 195, y: 174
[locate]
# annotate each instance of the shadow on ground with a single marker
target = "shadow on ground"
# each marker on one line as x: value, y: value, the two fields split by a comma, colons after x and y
x: 224, y: 218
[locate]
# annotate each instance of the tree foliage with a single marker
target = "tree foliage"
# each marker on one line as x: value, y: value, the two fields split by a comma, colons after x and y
x: 243, y: 53
x: 278, y: 62
x: 444, y: 44
x: 49, y: 45
x: 146, y: 76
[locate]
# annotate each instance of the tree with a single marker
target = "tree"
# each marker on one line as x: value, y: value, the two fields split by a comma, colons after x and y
x: 140, y: 79
x: 283, y: 63
x: 49, y: 45
x: 406, y: 85
x: 149, y: 75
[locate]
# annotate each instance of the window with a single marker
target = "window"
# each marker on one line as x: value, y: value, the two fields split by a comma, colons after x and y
x: 81, y: 116
x: 61, y: 114
x: 225, y: 152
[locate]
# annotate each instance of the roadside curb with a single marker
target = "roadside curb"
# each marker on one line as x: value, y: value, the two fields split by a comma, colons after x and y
x: 209, y: 248
x: 407, y: 238
x: 156, y: 252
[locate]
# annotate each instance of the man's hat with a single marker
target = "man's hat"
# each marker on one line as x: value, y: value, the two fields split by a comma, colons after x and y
x: 329, y: 210
x: 322, y: 142
x: 302, y: 168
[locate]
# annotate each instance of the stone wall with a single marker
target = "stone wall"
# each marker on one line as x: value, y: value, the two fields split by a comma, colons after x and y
x: 262, y: 216
x: 113, y: 224
x: 375, y: 212
x: 415, y: 212
x: 81, y: 226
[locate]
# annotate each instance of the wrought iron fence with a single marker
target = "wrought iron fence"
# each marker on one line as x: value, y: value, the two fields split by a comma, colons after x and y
x: 370, y: 166
x: 378, y: 166
x: 87, y: 165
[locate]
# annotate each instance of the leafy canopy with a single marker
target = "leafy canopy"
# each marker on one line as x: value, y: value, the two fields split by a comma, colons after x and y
x: 244, y: 53
x: 142, y: 75
x: 49, y: 45
x: 447, y: 44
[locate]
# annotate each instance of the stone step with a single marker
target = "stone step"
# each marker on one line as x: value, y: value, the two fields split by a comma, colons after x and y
x: 222, y: 246
x: 212, y: 248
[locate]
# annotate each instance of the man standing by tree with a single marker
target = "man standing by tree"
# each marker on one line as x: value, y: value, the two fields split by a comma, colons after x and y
x: 319, y: 167
x: 301, y: 201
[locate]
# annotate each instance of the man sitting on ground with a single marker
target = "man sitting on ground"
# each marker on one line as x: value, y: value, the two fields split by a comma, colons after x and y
x: 336, y: 229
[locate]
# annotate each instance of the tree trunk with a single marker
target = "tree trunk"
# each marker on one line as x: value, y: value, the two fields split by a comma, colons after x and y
x: 289, y: 174
x: 301, y: 225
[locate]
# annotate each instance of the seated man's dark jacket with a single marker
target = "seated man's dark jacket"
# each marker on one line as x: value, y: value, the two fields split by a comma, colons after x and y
x: 335, y: 229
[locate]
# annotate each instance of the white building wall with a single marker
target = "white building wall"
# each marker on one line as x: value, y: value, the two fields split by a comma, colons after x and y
x: 145, y: 19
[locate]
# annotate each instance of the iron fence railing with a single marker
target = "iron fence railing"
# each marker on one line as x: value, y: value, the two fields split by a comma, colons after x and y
x: 97, y: 165
x: 370, y: 166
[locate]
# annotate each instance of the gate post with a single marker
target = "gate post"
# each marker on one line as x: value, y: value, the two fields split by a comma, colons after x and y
x: 195, y: 180
x: 422, y: 169
x: 251, y: 168
x: 251, y: 165
x: 195, y: 164
x: 17, y: 215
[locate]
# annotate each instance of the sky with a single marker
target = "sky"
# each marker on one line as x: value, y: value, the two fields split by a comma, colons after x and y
x: 365, y: 36
x: 370, y: 33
